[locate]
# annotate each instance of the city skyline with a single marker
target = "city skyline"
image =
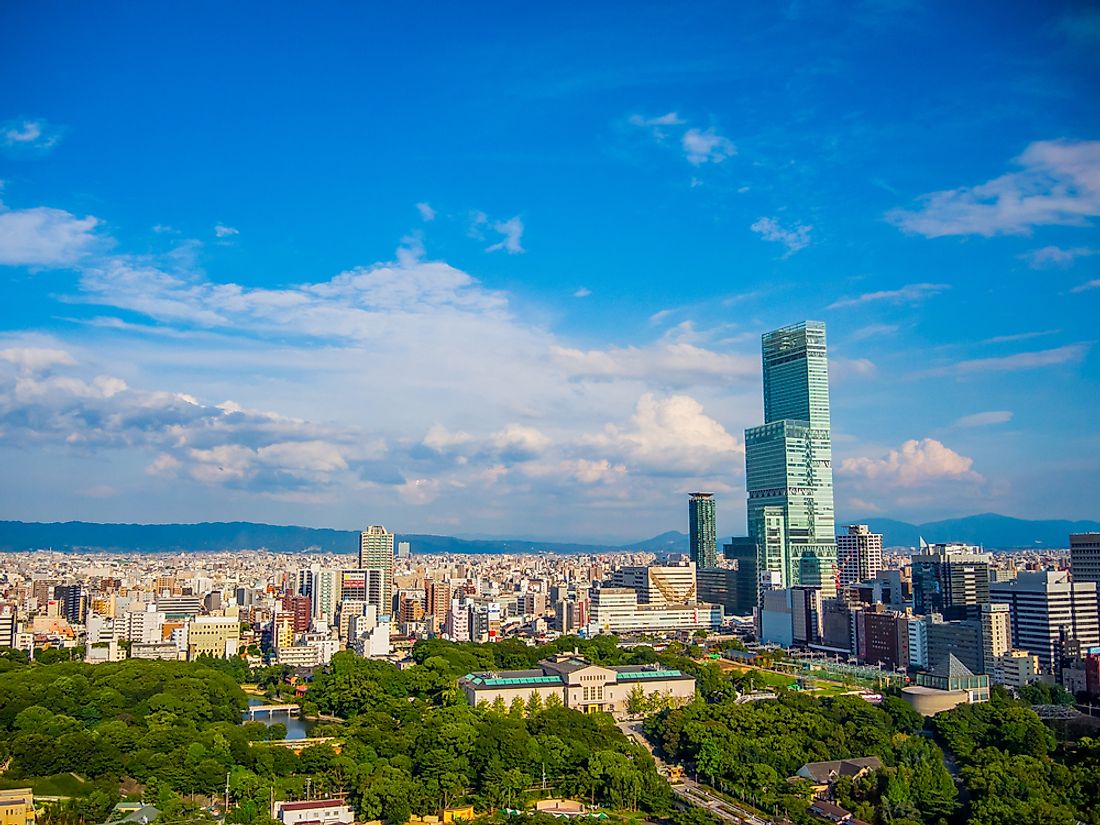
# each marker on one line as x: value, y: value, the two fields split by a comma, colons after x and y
x: 455, y: 290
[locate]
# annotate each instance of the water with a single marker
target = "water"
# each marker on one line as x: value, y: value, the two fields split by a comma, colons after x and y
x: 296, y: 728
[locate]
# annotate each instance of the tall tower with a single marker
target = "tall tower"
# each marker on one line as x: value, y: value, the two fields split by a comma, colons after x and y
x: 703, y: 537
x: 376, y: 555
x: 860, y: 554
x: 789, y: 462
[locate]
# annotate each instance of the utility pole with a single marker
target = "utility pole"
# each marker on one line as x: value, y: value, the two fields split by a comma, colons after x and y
x: 227, y: 793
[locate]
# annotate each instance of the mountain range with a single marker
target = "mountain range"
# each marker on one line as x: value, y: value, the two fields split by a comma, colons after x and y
x: 989, y: 529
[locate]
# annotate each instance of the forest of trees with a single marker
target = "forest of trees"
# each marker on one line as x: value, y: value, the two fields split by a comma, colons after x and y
x: 410, y: 744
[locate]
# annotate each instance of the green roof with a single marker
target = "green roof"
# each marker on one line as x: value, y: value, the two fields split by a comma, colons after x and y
x: 650, y: 674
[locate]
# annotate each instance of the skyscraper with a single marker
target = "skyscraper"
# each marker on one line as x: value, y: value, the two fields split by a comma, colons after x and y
x: 703, y: 536
x: 788, y: 462
x: 376, y: 554
x: 860, y: 554
x: 1048, y: 610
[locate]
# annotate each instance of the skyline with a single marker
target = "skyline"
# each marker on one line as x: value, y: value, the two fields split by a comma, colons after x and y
x: 494, y: 277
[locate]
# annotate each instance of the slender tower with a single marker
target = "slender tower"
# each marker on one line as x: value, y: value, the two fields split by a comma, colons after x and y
x: 703, y: 539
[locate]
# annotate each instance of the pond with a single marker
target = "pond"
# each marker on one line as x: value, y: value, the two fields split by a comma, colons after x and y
x: 296, y: 728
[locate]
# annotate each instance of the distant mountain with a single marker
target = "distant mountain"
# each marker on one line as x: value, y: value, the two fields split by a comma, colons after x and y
x: 989, y: 529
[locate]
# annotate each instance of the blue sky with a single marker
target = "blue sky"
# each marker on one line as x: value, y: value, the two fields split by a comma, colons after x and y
x: 487, y: 270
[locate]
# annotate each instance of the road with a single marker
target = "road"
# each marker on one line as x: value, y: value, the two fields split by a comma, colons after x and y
x: 691, y: 791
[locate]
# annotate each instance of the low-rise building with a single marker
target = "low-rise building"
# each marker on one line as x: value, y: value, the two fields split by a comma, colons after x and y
x: 314, y: 812
x: 579, y: 684
x: 17, y: 807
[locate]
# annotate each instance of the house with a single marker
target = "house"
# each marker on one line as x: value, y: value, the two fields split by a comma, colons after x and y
x: 833, y: 813
x: 137, y: 813
x: 823, y: 775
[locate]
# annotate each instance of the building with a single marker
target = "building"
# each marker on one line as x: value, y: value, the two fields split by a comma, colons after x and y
x: 960, y: 641
x: 325, y: 594
x: 702, y: 531
x: 671, y: 583
x: 313, y: 812
x: 300, y: 609
x: 996, y: 622
x: 1016, y: 668
x: 571, y: 615
x: 1048, y: 610
x: 72, y: 602
x: 722, y: 586
x: 376, y: 554
x: 950, y: 579
x: 788, y: 462
x: 579, y: 684
x: 215, y: 636
x: 437, y: 600
x: 457, y: 625
x: 8, y: 626
x: 17, y: 807
x: 616, y: 610
x: 882, y: 636
x: 951, y: 675
x: 859, y: 555
x: 742, y: 552
x: 1084, y: 557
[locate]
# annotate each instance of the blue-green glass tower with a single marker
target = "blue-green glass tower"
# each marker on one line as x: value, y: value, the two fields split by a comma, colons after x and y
x: 788, y: 462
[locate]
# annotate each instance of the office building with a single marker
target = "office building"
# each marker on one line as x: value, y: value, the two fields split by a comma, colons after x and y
x: 788, y: 462
x: 859, y: 555
x: 8, y: 627
x: 1084, y: 558
x: 579, y: 684
x: 437, y: 600
x: 616, y: 610
x: 950, y: 579
x: 996, y: 622
x: 882, y: 636
x: 376, y: 553
x: 1048, y: 610
x: 368, y: 585
x: 72, y: 602
x: 961, y: 640
x: 215, y: 636
x: 741, y: 552
x: 670, y: 583
x: 325, y: 594
x: 702, y: 531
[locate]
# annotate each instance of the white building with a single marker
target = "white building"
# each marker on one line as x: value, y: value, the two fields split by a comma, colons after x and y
x: 314, y: 812
x: 616, y: 610
x: 659, y: 584
x: 1048, y: 609
x: 859, y: 555
x: 376, y: 553
x: 325, y: 594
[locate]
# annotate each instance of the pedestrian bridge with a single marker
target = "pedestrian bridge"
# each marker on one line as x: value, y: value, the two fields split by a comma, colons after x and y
x: 298, y: 745
x: 259, y: 710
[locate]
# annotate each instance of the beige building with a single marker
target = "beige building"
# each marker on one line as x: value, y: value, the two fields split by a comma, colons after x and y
x: 579, y: 684
x: 17, y: 807
x: 216, y: 636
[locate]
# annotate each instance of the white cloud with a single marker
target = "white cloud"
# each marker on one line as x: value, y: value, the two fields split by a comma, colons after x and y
x: 841, y: 369
x: 29, y: 136
x: 426, y: 211
x: 512, y: 230
x: 913, y: 464
x: 669, y: 119
x: 908, y: 294
x: 984, y: 419
x: 675, y: 363
x: 1087, y: 285
x: 706, y: 146
x: 1057, y: 184
x: 583, y: 292
x: 45, y: 237
x: 223, y: 231
x: 794, y: 238
x: 1071, y: 353
x: 37, y: 359
x: 1049, y: 256
x: 517, y: 442
x: 671, y: 436
x: 872, y: 331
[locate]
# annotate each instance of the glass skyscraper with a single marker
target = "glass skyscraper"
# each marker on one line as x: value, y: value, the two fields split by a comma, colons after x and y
x: 702, y: 533
x: 788, y: 462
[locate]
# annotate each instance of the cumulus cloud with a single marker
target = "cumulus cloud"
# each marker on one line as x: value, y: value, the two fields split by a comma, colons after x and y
x: 984, y: 419
x: 908, y: 294
x: 426, y: 211
x: 794, y: 238
x: 45, y: 237
x: 28, y: 136
x: 672, y: 436
x: 1057, y: 183
x: 37, y: 359
x: 915, y: 463
x: 512, y: 232
x: 706, y: 146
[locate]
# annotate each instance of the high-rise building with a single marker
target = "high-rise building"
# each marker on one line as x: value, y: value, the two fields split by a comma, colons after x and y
x: 325, y: 593
x: 702, y: 532
x: 996, y: 636
x: 73, y: 602
x: 376, y: 553
x: 859, y: 555
x: 950, y: 579
x: 672, y: 583
x: 1084, y: 557
x: 788, y: 462
x: 1047, y: 611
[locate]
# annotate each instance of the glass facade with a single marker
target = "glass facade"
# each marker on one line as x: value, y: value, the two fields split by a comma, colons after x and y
x: 702, y: 532
x: 788, y: 461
